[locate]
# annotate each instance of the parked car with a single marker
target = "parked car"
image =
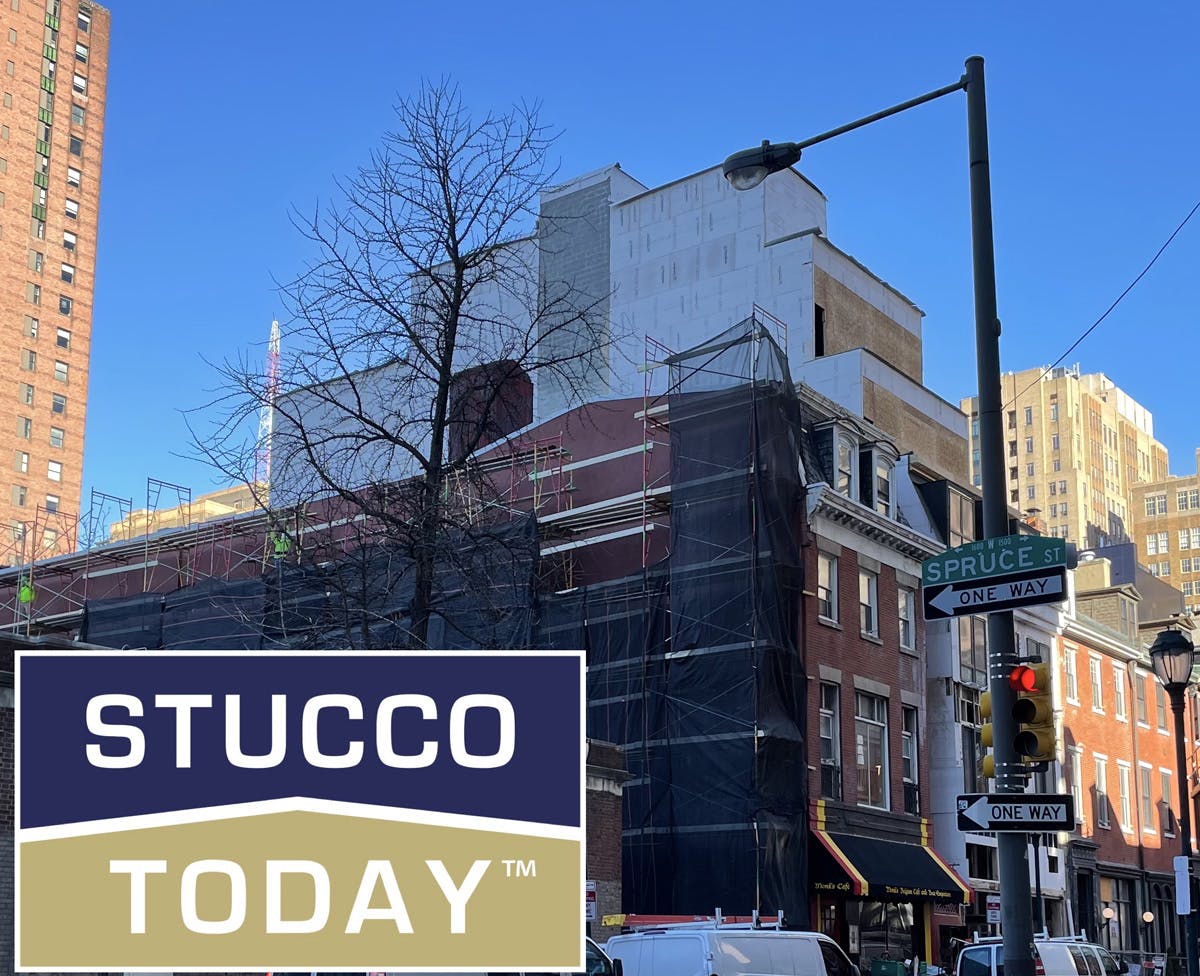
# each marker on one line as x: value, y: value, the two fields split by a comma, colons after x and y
x: 727, y: 951
x: 1065, y: 956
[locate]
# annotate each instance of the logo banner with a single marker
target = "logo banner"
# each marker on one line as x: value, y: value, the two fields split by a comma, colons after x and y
x: 278, y: 811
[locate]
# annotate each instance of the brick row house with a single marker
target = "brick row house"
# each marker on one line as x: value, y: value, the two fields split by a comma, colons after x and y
x: 1119, y: 746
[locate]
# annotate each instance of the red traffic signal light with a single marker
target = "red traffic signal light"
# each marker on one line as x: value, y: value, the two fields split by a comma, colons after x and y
x: 1024, y: 680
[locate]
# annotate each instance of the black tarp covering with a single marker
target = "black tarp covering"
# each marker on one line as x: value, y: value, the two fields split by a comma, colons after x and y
x: 214, y: 615
x: 483, y: 598
x: 694, y: 667
x: 127, y: 621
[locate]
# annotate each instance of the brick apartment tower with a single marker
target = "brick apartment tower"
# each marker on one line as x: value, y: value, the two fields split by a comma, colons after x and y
x: 51, y: 135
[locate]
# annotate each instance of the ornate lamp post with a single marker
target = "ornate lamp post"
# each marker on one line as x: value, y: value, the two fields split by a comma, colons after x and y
x: 1174, y: 656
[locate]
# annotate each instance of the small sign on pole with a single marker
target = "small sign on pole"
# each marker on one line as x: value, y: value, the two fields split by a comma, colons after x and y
x: 1183, y: 886
x: 1015, y: 812
x: 993, y: 909
x: 589, y: 901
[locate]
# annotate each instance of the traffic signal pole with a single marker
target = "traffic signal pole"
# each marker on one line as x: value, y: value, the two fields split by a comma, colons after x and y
x: 1015, y: 907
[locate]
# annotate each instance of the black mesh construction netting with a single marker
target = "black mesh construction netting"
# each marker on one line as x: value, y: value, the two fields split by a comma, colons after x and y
x: 694, y: 665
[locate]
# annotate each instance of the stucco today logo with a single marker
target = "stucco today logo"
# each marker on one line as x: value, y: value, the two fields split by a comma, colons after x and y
x: 297, y: 811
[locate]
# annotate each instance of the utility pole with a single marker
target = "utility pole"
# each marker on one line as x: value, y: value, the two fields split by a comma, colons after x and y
x: 1002, y: 655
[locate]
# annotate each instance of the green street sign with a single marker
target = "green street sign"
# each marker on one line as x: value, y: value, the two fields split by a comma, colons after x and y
x: 994, y: 557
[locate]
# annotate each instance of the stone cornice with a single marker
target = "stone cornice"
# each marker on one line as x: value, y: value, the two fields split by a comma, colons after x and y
x: 824, y: 502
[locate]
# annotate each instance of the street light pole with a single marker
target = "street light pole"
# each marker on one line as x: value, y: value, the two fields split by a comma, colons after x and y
x: 1192, y: 932
x: 1174, y: 658
x: 1002, y: 653
x: 745, y: 170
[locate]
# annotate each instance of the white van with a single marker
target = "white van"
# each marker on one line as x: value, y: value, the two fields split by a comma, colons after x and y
x: 1052, y: 957
x: 728, y: 951
x: 596, y: 963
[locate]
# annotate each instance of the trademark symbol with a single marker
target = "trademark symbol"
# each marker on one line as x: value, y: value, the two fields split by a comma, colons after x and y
x: 520, y: 869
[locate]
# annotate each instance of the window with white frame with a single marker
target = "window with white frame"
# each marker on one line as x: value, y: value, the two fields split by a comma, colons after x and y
x: 827, y: 586
x: 1160, y: 706
x: 1069, y: 672
x: 74, y: 176
x: 79, y: 85
x: 1076, y: 756
x: 1146, y: 797
x: 1139, y: 695
x: 54, y: 470
x: 1119, y: 692
x: 884, y: 474
x: 1124, y: 785
x: 906, y: 600
x: 58, y: 436
x: 61, y: 371
x: 830, y: 732
x: 1097, y: 684
x: 1196, y: 538
x: 871, y: 749
x: 1152, y: 544
x: 844, y: 453
x: 908, y: 743
x: 1102, y: 819
x: 868, y: 602
x: 1166, y: 814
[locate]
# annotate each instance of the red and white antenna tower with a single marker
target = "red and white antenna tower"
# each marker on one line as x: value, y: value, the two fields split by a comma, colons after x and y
x: 266, y: 414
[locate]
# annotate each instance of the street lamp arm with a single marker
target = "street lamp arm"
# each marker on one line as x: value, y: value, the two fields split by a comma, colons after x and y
x: 959, y: 85
x: 748, y: 168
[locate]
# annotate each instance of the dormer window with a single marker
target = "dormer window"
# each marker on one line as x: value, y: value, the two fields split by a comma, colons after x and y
x: 845, y: 450
x: 884, y: 472
x: 878, y: 468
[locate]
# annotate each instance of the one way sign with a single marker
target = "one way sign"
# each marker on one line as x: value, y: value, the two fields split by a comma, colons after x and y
x: 995, y: 593
x: 1016, y: 812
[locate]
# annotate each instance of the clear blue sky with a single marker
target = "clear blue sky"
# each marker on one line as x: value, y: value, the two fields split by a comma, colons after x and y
x: 223, y: 116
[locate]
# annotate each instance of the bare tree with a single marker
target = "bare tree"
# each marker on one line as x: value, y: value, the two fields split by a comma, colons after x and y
x: 416, y: 336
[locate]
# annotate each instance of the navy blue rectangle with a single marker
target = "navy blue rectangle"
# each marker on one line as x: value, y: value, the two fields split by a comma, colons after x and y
x: 541, y: 783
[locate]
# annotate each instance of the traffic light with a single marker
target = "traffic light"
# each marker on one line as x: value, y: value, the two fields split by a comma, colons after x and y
x: 1033, y: 713
x: 987, y: 736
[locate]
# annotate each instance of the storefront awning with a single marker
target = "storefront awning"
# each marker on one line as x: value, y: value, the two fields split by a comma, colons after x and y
x: 883, y: 870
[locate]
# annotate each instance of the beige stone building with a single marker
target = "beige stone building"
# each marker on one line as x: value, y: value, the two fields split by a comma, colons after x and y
x: 1076, y: 446
x: 1166, y: 530
x: 55, y: 58
x: 223, y: 503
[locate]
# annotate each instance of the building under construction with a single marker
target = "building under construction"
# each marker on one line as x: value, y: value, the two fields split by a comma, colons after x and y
x: 673, y: 538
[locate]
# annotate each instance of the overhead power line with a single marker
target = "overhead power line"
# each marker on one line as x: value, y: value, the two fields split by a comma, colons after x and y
x: 1092, y: 328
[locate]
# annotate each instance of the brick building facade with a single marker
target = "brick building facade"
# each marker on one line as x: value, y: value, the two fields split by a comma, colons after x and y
x: 51, y: 141
x: 1119, y: 745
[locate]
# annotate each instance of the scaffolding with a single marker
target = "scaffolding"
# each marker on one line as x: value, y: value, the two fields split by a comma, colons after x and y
x: 694, y: 667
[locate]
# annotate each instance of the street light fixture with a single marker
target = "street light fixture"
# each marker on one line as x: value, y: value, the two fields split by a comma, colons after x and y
x: 1174, y: 657
x: 747, y: 169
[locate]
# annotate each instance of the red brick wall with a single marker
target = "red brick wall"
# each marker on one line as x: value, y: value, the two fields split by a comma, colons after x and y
x: 603, y: 858
x: 844, y: 648
x: 1125, y: 741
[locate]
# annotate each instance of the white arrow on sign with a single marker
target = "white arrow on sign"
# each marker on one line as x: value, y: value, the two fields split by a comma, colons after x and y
x: 964, y: 595
x: 985, y: 810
